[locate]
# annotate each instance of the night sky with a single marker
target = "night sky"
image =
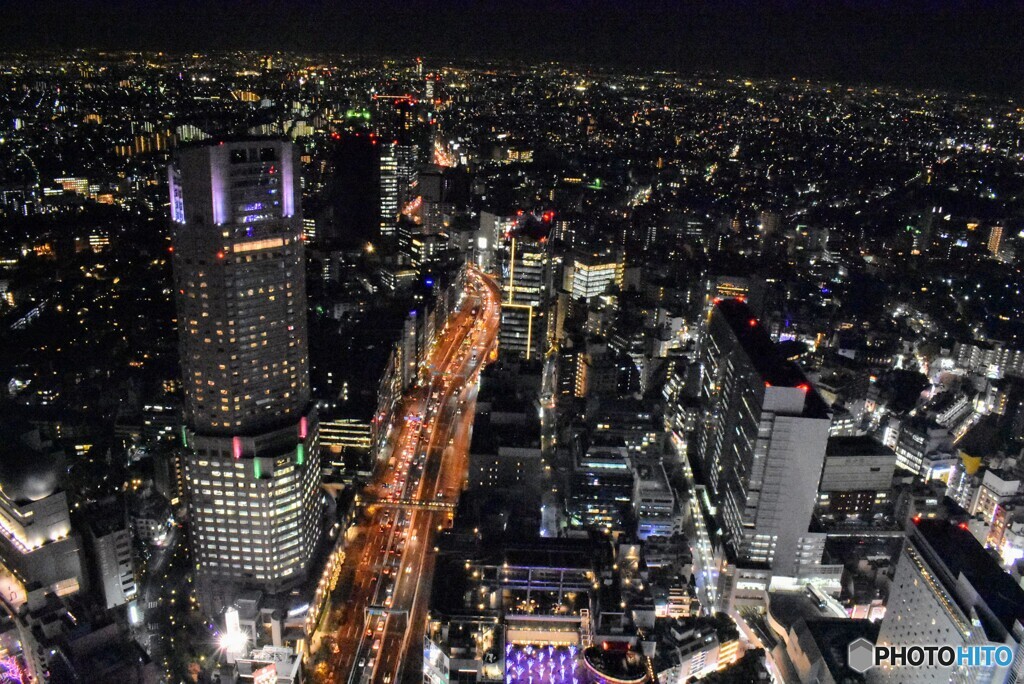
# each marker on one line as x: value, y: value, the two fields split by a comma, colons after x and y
x: 975, y: 45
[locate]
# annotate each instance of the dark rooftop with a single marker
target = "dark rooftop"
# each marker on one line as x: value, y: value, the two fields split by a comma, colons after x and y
x: 833, y: 635
x: 857, y: 446
x: 758, y: 346
x: 764, y: 354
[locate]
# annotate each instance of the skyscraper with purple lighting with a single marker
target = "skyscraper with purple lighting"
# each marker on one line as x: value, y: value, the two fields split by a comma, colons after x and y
x: 250, y: 436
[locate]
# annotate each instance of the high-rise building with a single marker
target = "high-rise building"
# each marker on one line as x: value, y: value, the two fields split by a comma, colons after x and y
x: 592, y: 272
x: 395, y: 118
x: 389, y: 189
x: 525, y: 286
x: 949, y: 590
x: 250, y: 437
x: 762, y: 443
x: 397, y: 174
x: 355, y: 190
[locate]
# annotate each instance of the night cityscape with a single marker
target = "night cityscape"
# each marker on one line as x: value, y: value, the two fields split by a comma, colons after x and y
x: 409, y: 346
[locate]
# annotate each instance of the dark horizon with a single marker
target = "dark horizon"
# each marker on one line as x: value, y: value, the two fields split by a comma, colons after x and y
x: 959, y: 46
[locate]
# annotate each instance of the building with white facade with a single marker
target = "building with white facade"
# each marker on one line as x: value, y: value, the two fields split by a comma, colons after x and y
x: 949, y: 590
x: 761, y: 446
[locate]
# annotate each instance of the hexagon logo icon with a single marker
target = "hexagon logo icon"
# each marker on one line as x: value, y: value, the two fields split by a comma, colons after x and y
x: 860, y: 655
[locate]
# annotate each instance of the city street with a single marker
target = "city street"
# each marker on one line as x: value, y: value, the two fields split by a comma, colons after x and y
x: 412, y: 498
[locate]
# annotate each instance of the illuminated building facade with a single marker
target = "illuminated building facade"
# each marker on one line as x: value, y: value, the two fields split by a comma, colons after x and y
x: 523, y: 331
x: 251, y: 447
x: 37, y: 546
x: 592, y: 273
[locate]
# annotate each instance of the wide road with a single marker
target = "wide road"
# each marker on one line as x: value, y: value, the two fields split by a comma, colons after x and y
x: 412, y: 498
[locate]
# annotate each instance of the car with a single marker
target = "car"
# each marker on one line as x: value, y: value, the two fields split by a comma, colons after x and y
x: 380, y: 625
x: 362, y: 662
x: 376, y: 644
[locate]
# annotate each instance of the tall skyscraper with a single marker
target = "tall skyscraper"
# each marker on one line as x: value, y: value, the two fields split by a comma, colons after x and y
x: 397, y: 177
x: 250, y: 435
x: 395, y: 122
x: 357, y: 162
x: 525, y: 286
x: 762, y: 443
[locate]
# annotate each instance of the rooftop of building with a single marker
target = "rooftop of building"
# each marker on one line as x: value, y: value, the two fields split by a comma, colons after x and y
x: 107, y: 516
x: 758, y: 345
x: 489, y: 436
x: 651, y: 476
x: 862, y: 445
x: 832, y: 637
x: 957, y: 548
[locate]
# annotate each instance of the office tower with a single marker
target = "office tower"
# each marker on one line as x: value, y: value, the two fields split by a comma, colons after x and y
x: 389, y: 189
x: 524, y: 284
x: 397, y: 176
x: 762, y: 442
x: 592, y: 272
x: 250, y: 436
x: 396, y: 123
x: 395, y: 118
x: 949, y: 590
x: 354, y: 192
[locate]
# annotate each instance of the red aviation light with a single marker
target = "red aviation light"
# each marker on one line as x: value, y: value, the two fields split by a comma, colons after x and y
x: 220, y: 254
x: 753, y: 322
x: 804, y: 387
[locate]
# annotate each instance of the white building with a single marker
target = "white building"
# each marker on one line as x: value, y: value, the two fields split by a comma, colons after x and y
x: 949, y: 590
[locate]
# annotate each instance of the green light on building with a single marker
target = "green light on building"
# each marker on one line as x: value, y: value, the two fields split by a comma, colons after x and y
x: 257, y: 471
x: 300, y: 454
x: 184, y: 437
x: 596, y: 185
